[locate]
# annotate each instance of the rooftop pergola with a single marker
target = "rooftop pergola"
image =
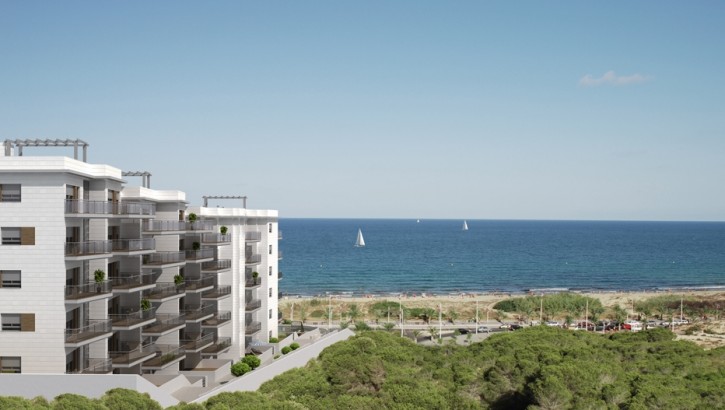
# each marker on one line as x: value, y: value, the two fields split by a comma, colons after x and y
x: 19, y: 144
x: 208, y: 197
x: 145, y: 177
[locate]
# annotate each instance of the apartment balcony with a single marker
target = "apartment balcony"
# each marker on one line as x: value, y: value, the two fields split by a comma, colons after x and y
x: 94, y: 366
x: 252, y: 328
x: 195, y: 314
x: 88, y: 292
x: 217, y: 293
x: 165, y: 291
x: 164, y: 356
x: 158, y: 227
x: 132, y: 282
x: 221, y: 345
x: 132, y: 320
x: 219, y: 319
x: 93, y: 331
x: 165, y: 324
x: 279, y: 235
x: 89, y: 209
x: 253, y: 259
x: 217, y: 266
x: 132, y: 353
x: 215, y: 239
x: 129, y: 247
x: 197, y: 344
x: 280, y: 275
x: 252, y: 305
x: 279, y: 255
x: 200, y: 226
x: 164, y: 259
x: 250, y: 283
x: 200, y: 255
x: 199, y: 285
x: 253, y: 236
x: 79, y: 251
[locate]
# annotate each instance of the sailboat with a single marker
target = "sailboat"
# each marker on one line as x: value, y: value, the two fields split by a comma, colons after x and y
x: 360, y: 242
x: 465, y: 226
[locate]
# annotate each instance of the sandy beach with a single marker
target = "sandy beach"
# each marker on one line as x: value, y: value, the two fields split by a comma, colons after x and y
x: 464, y: 304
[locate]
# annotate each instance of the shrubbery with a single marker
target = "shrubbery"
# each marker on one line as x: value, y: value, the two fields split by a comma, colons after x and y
x: 252, y: 361
x: 294, y: 346
x: 239, y: 368
x: 286, y: 349
x: 273, y: 340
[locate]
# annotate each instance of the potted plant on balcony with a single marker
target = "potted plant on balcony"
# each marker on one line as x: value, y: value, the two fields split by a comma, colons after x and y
x: 192, y: 218
x: 99, y: 276
x: 195, y: 246
x: 145, y: 304
x: 255, y: 275
x: 223, y: 230
x: 178, y: 281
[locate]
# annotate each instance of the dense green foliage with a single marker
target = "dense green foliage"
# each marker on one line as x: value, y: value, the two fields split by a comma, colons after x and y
x: 534, y: 368
x: 286, y: 349
x: 239, y: 368
x: 294, y: 346
x: 114, y: 399
x: 252, y: 360
x: 553, y: 305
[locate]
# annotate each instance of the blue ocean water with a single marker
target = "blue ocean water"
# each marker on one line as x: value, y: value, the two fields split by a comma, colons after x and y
x: 437, y: 256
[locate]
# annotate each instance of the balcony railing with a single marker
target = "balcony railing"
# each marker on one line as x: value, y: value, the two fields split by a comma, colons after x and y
x: 197, y: 343
x: 95, y: 366
x: 253, y: 304
x: 253, y: 259
x: 87, y: 248
x: 219, y: 319
x: 198, y: 312
x: 279, y: 235
x: 87, y: 290
x: 93, y: 328
x: 130, y: 281
x: 253, y: 327
x: 205, y: 253
x: 220, y: 345
x: 195, y: 284
x: 218, y: 265
x: 199, y: 226
x: 131, y: 245
x: 163, y: 226
x: 163, y: 258
x: 217, y: 292
x: 132, y: 318
x: 279, y: 255
x: 132, y: 352
x: 164, y: 322
x: 253, y: 236
x: 251, y: 283
x: 280, y: 275
x: 164, y: 290
x: 165, y: 354
x: 83, y: 206
x: 215, y: 238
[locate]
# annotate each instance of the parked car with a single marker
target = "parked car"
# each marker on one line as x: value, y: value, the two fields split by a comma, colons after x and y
x: 463, y: 331
x: 553, y: 323
x: 680, y: 321
x: 632, y: 325
x: 505, y: 326
x: 483, y: 329
x: 516, y: 326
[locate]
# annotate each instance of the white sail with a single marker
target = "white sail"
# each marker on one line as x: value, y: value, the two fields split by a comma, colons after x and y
x: 465, y: 226
x: 360, y: 241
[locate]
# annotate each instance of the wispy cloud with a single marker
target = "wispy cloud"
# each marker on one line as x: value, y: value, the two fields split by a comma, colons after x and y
x: 611, y: 78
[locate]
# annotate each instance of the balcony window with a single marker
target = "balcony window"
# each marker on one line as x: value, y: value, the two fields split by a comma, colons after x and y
x: 9, y: 192
x: 270, y: 228
x: 270, y: 271
x: 9, y: 279
x: 11, y: 322
x: 270, y: 249
x: 270, y: 292
x: 270, y: 314
x: 18, y: 236
x: 9, y: 364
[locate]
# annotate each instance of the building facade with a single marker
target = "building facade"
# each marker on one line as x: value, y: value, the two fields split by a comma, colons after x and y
x: 100, y: 277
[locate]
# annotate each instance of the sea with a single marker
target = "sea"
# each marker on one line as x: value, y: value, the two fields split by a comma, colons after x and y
x: 426, y: 256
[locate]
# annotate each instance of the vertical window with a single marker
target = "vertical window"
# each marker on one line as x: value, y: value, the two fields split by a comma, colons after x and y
x: 270, y: 292
x: 270, y: 271
x: 9, y: 364
x: 270, y: 228
x: 9, y: 278
x: 270, y: 316
x: 11, y: 322
x: 270, y: 249
x: 10, y: 193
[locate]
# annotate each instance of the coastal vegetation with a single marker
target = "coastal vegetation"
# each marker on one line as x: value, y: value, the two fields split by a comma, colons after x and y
x: 534, y: 368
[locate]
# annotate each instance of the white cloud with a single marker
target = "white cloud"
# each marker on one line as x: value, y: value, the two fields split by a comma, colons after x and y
x: 610, y: 78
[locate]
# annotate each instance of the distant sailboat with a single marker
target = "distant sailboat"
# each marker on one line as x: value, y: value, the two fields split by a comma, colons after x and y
x: 465, y: 226
x: 417, y: 221
x: 360, y: 242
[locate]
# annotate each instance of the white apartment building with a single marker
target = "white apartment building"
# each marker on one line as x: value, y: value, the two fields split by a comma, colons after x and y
x: 100, y: 277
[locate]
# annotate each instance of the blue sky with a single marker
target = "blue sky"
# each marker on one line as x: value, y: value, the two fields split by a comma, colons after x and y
x: 419, y: 109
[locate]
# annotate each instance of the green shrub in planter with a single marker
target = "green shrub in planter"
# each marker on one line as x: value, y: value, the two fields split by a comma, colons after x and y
x: 223, y: 230
x: 294, y: 346
x: 273, y: 340
x: 286, y: 350
x: 276, y: 357
x: 252, y: 360
x: 239, y: 368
